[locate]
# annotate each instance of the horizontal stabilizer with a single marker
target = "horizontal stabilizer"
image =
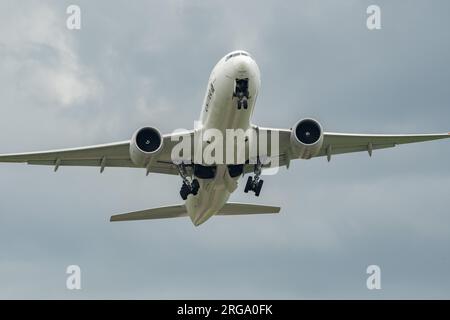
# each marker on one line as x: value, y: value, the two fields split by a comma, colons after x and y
x: 155, y: 213
x: 179, y: 210
x: 232, y: 208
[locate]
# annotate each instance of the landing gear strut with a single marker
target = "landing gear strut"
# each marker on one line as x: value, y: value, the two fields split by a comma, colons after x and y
x: 241, y: 93
x: 255, y: 184
x: 187, y: 187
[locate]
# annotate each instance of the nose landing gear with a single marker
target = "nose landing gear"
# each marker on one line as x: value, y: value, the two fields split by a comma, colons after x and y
x: 187, y: 187
x: 241, y: 93
x: 242, y: 103
x: 255, y: 184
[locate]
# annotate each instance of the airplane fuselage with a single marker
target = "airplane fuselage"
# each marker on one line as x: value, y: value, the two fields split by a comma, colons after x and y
x: 229, y: 102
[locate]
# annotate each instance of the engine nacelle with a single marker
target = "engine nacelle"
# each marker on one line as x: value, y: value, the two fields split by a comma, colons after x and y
x: 306, y: 138
x: 145, y: 144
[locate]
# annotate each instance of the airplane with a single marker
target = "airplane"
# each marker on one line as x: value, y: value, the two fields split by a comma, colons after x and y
x: 229, y: 102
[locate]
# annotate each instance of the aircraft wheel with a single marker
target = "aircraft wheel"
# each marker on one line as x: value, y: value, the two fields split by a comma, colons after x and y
x: 245, y: 104
x: 258, y: 188
x: 195, y: 187
x: 248, y: 184
x: 184, y: 192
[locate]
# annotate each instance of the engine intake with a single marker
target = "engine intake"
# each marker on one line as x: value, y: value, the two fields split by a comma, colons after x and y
x: 306, y: 138
x: 145, y: 143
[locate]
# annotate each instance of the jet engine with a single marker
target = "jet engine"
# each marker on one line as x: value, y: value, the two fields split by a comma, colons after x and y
x: 144, y: 145
x: 306, y: 138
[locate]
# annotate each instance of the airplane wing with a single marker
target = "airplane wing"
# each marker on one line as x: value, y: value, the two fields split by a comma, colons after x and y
x: 105, y: 155
x: 341, y: 143
x: 176, y: 211
x: 117, y: 154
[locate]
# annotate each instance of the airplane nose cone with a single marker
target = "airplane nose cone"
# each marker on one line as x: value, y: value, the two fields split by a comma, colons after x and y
x: 241, y: 65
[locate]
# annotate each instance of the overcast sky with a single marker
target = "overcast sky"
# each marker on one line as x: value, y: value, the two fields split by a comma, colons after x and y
x: 136, y: 63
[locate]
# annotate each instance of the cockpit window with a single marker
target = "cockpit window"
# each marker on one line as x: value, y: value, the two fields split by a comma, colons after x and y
x: 231, y: 55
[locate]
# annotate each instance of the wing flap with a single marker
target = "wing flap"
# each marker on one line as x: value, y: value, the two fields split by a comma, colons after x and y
x: 351, y: 149
x: 85, y: 162
x: 157, y: 167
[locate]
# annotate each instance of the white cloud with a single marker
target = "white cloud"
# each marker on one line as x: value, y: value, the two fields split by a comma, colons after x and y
x: 39, y: 51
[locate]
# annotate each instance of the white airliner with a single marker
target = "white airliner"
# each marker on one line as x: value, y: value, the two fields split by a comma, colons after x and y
x: 229, y: 102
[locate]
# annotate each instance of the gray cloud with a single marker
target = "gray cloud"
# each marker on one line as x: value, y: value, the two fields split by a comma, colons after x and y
x: 145, y: 62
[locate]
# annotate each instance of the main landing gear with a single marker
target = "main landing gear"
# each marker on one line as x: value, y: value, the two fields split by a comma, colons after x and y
x: 241, y: 93
x: 255, y: 184
x: 187, y: 187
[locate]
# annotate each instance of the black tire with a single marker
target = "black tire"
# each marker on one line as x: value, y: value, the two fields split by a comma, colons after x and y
x: 245, y: 104
x: 248, y: 185
x: 239, y: 105
x: 184, y: 192
x: 258, y: 188
x: 195, y: 187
